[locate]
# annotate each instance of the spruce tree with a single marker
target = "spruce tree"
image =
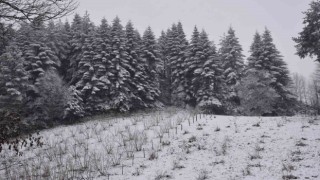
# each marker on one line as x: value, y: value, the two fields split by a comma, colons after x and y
x: 80, y: 29
x: 232, y: 63
x: 255, y: 60
x: 150, y: 56
x: 208, y: 77
x: 279, y: 71
x: 57, y: 36
x: 121, y: 94
x: 137, y: 68
x: 165, y: 71
x: 85, y: 74
x: 192, y: 63
x: 178, y: 64
x: 13, y: 79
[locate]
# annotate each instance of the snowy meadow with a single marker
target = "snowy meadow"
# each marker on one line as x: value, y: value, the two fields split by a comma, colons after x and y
x: 164, y: 90
x: 172, y: 144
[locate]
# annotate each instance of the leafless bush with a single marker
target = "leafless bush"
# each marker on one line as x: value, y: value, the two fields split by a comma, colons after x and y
x: 255, y: 155
x: 166, y: 143
x: 115, y: 158
x: 140, y: 138
x: 162, y: 175
x: 224, y: 145
x: 192, y: 139
x: 153, y: 155
x: 300, y: 143
x: 287, y: 168
x: 108, y: 147
x: 256, y: 124
x: 246, y: 171
x: 137, y: 172
x: 177, y: 165
x: 203, y: 174
x: 101, y: 164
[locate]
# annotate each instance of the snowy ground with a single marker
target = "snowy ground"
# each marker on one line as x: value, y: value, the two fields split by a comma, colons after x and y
x: 173, y: 144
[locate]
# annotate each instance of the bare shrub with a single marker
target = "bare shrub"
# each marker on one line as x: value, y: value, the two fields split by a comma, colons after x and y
x: 203, y: 174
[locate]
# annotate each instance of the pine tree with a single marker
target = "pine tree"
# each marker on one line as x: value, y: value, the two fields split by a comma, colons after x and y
x: 192, y: 63
x: 13, y: 79
x: 150, y: 56
x: 309, y: 37
x: 7, y: 34
x: 119, y: 75
x: 178, y: 62
x: 232, y: 63
x: 208, y: 77
x: 57, y: 37
x: 255, y: 60
x: 80, y: 29
x: 85, y: 74
x: 39, y: 58
x: 165, y: 71
x: 137, y: 69
x: 279, y: 71
x: 74, y: 108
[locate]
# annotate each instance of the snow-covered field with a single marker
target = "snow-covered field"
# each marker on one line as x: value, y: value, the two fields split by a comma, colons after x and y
x: 173, y: 144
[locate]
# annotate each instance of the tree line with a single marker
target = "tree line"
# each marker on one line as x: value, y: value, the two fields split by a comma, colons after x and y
x: 64, y: 71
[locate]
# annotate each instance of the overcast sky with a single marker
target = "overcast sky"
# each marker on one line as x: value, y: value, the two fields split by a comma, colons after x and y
x: 282, y: 17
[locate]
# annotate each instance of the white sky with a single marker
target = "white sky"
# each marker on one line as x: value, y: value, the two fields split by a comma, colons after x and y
x: 282, y: 17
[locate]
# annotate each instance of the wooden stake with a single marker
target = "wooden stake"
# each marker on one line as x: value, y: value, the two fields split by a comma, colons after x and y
x: 176, y: 129
x: 152, y: 144
x: 122, y: 168
x: 144, y: 153
x: 132, y: 160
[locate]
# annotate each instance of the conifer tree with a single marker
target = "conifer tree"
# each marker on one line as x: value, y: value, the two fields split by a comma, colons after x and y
x: 137, y: 67
x: 13, y: 79
x: 192, y: 63
x: 255, y: 60
x: 279, y: 71
x: 232, y: 63
x: 150, y: 55
x: 57, y: 37
x: 101, y: 63
x: 209, y: 76
x: 85, y: 74
x: 80, y: 29
x: 119, y: 75
x: 165, y: 71
x: 178, y: 64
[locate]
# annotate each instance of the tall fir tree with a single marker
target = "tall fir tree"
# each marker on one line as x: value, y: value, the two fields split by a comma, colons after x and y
x: 80, y: 29
x: 138, y: 76
x: 178, y: 64
x: 13, y: 79
x: 85, y: 74
x: 57, y: 37
x: 165, y: 72
x: 192, y: 63
x: 121, y: 93
x: 278, y: 69
x: 232, y: 63
x: 255, y: 60
x: 208, y: 77
x: 151, y: 56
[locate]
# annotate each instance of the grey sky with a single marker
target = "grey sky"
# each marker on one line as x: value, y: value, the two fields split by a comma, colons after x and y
x: 282, y: 17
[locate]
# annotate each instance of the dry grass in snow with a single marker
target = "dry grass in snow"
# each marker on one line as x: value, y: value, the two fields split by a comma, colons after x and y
x: 173, y: 144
